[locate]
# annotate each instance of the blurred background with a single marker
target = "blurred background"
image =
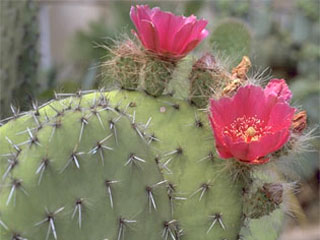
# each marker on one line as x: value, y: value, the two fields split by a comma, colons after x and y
x: 55, y: 45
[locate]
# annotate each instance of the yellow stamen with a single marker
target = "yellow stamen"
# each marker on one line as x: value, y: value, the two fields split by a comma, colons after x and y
x: 250, y: 132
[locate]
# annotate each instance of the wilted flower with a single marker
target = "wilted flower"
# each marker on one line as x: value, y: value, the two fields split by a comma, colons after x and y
x: 166, y: 34
x: 299, y: 122
x: 253, y: 123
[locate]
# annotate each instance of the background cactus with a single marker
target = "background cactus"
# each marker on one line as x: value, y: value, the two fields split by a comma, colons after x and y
x: 19, y: 55
x: 232, y: 39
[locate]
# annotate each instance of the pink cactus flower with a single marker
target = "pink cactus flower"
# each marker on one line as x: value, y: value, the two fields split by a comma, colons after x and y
x: 166, y: 34
x: 253, y: 123
x: 278, y: 88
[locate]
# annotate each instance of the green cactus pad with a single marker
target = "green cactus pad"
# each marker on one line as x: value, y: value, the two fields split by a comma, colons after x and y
x: 233, y: 39
x: 118, y: 165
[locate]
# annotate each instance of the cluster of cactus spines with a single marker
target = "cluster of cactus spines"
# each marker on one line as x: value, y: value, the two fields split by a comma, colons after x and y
x: 131, y: 68
x: 123, y: 165
x: 123, y: 68
x: 157, y: 75
x: 204, y: 78
x: 208, y: 78
x: 19, y: 54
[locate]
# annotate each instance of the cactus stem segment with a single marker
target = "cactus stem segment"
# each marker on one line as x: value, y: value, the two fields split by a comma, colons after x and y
x: 159, y: 175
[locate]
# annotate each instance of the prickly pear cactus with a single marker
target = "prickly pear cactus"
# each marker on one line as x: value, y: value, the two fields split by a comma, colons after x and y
x: 140, y: 161
x: 18, y: 53
x: 109, y: 165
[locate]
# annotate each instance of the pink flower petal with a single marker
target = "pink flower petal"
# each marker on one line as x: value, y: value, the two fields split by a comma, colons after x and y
x: 149, y: 35
x: 250, y: 101
x: 134, y: 17
x: 182, y: 36
x: 281, y: 116
x: 204, y: 33
x: 144, y: 12
x: 220, y: 145
x: 223, y: 151
x: 267, y: 144
x: 278, y: 88
x: 239, y: 150
x: 191, y: 45
x: 223, y: 111
x: 172, y: 36
x: 164, y: 21
x: 195, y: 37
x: 198, y: 30
x: 251, y: 124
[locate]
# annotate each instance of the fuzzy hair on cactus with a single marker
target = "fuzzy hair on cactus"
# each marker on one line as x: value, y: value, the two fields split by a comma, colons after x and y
x: 139, y: 163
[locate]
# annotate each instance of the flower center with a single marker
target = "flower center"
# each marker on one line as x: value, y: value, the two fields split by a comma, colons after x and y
x: 247, y: 128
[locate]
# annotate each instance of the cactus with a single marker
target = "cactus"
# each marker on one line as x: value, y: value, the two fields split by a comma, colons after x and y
x: 139, y: 161
x: 111, y: 169
x: 233, y: 38
x: 121, y: 165
x: 19, y: 55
